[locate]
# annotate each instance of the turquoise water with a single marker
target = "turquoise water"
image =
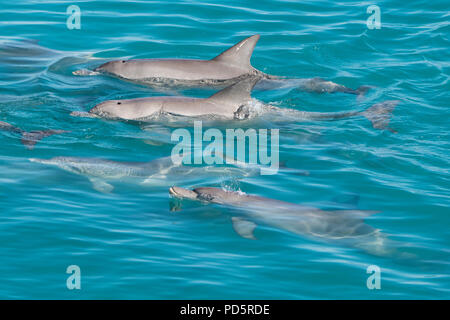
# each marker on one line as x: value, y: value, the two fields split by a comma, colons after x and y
x: 129, y: 244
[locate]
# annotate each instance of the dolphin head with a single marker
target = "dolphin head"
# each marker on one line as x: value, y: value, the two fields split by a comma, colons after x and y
x: 116, y: 67
x: 215, y: 195
x: 109, y: 107
x: 111, y: 66
x: 208, y: 194
x: 116, y: 109
x: 127, y: 109
x: 183, y: 193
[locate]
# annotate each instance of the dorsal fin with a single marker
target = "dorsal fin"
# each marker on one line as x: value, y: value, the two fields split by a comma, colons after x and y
x: 236, y: 93
x: 239, y: 55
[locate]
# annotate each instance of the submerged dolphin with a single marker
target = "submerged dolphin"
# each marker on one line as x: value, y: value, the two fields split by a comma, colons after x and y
x: 317, y: 85
x: 227, y: 68
x: 29, y: 139
x: 344, y: 226
x: 159, y: 172
x: 233, y: 102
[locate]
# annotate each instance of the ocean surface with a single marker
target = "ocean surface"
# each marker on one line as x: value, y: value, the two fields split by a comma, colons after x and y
x: 129, y: 244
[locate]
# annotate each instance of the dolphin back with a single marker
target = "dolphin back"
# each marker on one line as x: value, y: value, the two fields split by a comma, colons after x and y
x: 380, y: 114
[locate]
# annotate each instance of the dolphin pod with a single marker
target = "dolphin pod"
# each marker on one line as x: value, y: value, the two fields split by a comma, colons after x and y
x: 343, y: 226
x: 231, y: 69
x: 227, y: 68
x: 29, y: 139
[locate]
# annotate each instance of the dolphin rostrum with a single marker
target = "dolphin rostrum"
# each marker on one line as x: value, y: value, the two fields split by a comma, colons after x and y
x: 233, y: 102
x: 29, y: 139
x: 160, y: 172
x: 227, y: 68
x: 344, y: 226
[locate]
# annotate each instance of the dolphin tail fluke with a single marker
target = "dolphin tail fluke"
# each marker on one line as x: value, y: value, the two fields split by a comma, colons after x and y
x: 29, y: 139
x: 380, y: 114
x: 362, y: 90
x: 239, y: 55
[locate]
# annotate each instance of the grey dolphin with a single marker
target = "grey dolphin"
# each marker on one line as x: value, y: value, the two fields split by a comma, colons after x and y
x: 320, y: 85
x: 224, y: 104
x: 231, y: 64
x: 159, y: 172
x: 233, y: 102
x: 29, y: 139
x: 344, y: 226
x: 227, y: 68
x: 317, y: 85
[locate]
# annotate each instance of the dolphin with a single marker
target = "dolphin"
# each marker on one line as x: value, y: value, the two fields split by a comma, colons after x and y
x: 160, y: 172
x: 320, y: 85
x: 316, y: 85
x: 344, y: 226
x: 29, y: 139
x: 233, y: 102
x: 223, y: 104
x: 233, y: 63
x: 227, y: 68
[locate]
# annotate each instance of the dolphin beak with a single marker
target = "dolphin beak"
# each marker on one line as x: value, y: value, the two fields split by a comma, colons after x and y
x: 39, y: 160
x: 182, y: 193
